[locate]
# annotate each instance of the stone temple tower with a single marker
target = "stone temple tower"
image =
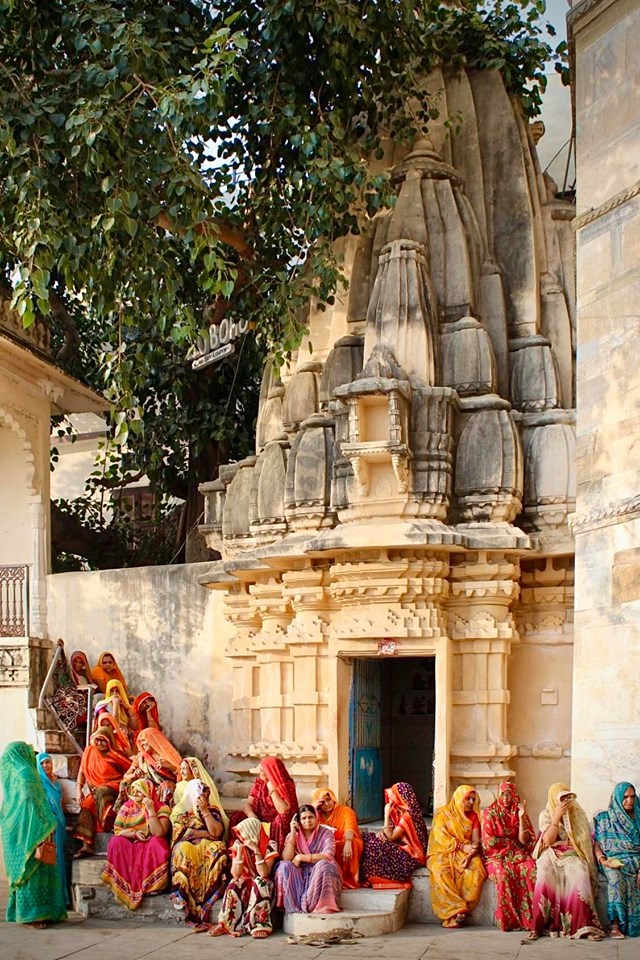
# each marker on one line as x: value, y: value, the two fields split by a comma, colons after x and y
x: 396, y: 556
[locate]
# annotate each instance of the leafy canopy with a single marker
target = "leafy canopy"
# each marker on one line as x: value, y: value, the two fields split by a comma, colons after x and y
x: 163, y: 162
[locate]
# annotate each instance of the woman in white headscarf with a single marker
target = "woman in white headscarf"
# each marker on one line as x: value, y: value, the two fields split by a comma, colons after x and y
x: 249, y: 897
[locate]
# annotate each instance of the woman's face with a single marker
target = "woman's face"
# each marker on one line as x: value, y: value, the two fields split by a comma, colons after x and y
x: 101, y: 744
x: 470, y: 801
x: 326, y: 804
x: 47, y: 766
x: 147, y: 704
x: 186, y: 772
x: 627, y: 801
x: 108, y: 663
x: 78, y: 663
x: 308, y: 820
x: 262, y: 774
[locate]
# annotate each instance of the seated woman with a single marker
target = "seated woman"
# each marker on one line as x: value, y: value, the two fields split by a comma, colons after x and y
x: 308, y: 878
x: 563, y: 897
x: 156, y: 760
x: 107, y: 669
x: 191, y: 768
x: 391, y: 855
x: 119, y: 734
x: 249, y: 897
x: 507, y: 843
x: 36, y: 896
x: 198, y: 855
x: 617, y: 850
x: 53, y: 793
x: 138, y: 854
x: 116, y: 704
x: 272, y: 799
x: 349, y: 845
x: 145, y: 713
x: 456, y: 870
x: 69, y: 703
x: 101, y: 771
x: 81, y: 670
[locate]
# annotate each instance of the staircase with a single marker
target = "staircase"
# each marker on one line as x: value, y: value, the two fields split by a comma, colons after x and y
x: 370, y: 913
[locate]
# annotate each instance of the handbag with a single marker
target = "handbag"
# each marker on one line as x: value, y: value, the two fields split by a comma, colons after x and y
x: 46, y: 852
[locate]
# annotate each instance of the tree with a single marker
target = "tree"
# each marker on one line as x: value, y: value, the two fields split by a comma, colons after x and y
x: 165, y: 162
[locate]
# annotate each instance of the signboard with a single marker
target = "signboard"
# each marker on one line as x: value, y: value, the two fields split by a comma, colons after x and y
x: 219, y: 343
x: 387, y: 647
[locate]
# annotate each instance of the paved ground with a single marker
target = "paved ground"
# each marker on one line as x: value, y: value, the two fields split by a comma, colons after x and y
x: 108, y: 940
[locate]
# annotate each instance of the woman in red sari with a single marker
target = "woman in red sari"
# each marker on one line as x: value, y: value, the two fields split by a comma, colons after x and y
x: 272, y: 800
x: 507, y: 843
x: 145, y: 712
x: 392, y: 854
x: 138, y: 855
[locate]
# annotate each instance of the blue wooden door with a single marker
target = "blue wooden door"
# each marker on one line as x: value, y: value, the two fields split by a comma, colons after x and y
x: 364, y: 737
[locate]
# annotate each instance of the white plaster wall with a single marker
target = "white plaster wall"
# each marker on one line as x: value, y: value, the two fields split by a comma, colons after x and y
x: 15, y: 522
x: 168, y: 635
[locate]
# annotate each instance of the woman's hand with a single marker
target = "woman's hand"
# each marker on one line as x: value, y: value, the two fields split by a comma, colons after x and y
x: 299, y: 859
x: 347, y: 850
x: 141, y: 835
x: 148, y: 807
x: 559, y: 812
x: 522, y: 809
x: 202, y: 806
x: 469, y: 848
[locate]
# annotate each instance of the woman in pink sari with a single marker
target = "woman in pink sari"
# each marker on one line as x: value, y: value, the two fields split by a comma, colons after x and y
x: 272, y: 800
x: 308, y: 878
x: 138, y: 855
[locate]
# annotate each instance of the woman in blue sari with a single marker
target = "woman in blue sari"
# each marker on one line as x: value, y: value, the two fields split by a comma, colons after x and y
x: 26, y: 821
x: 617, y: 850
x: 53, y: 793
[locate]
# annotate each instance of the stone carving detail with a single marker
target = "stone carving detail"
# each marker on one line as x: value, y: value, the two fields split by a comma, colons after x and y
x: 14, y: 666
x: 549, y: 446
x: 468, y: 363
x: 534, y: 375
x: 267, y: 492
x: 309, y: 471
x: 235, y: 517
x: 301, y: 397
x: 343, y: 365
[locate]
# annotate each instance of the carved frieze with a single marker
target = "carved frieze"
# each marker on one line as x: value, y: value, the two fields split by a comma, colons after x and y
x: 14, y: 665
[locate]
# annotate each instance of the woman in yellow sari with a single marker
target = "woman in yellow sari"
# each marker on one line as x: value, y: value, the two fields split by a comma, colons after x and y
x: 456, y: 870
x: 193, y: 769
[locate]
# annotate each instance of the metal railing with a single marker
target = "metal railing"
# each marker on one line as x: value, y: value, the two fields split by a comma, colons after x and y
x: 14, y: 600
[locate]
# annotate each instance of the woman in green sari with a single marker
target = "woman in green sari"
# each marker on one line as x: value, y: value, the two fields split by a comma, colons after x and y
x: 36, y: 895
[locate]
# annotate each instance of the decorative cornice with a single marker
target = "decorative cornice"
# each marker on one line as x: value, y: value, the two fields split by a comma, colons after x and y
x: 623, y: 510
x: 617, y: 201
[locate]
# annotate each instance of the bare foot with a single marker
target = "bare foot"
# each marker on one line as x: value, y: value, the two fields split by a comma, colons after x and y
x: 217, y: 931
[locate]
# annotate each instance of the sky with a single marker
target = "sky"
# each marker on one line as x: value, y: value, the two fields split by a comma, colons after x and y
x: 556, y: 111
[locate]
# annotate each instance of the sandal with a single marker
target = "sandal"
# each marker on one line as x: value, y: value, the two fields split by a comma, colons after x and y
x: 82, y: 852
x: 259, y: 934
x: 38, y: 925
x: 217, y: 931
x: 616, y: 933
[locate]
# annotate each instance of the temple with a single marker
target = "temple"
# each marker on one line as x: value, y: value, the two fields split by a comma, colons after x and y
x: 396, y: 557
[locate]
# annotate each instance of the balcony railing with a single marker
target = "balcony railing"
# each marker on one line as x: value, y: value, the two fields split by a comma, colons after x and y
x: 14, y: 601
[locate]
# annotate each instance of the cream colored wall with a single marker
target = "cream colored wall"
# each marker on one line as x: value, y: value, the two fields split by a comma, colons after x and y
x: 606, y: 719
x: 167, y: 633
x: 15, y: 524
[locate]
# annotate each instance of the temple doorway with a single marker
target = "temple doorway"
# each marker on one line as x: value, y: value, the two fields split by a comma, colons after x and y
x: 391, y: 730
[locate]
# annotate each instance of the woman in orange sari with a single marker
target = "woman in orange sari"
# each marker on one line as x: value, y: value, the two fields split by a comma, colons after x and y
x: 107, y: 669
x: 145, y: 712
x: 456, y: 870
x: 391, y: 855
x: 156, y: 760
x: 349, y: 844
x: 101, y: 770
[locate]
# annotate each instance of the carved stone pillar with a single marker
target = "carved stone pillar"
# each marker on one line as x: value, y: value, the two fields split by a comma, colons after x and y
x: 481, y: 626
x: 270, y: 645
x: 38, y: 584
x: 240, y: 611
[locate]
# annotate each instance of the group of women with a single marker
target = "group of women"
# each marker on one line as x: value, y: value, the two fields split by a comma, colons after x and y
x: 170, y: 828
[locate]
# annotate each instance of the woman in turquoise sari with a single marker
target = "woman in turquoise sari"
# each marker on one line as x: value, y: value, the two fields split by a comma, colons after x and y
x: 53, y: 793
x: 617, y: 850
x: 35, y: 890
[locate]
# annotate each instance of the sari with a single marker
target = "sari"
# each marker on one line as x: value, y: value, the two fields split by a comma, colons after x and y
x: 123, y: 712
x: 198, y: 864
x: 26, y: 820
x: 249, y: 899
x: 161, y: 766
x: 81, y: 672
x: 455, y: 881
x: 100, y: 676
x: 618, y: 834
x: 563, y: 898
x: 199, y: 772
x: 119, y: 734
x: 103, y: 774
x: 509, y: 863
x: 136, y: 868
x: 311, y: 887
x: 263, y: 805
x: 141, y: 715
x: 390, y: 863
x: 341, y: 819
x: 53, y: 793
x: 69, y: 703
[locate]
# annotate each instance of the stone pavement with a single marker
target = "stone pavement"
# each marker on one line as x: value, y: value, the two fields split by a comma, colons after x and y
x: 99, y: 939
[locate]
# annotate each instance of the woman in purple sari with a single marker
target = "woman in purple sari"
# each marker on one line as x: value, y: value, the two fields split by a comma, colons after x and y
x: 308, y: 878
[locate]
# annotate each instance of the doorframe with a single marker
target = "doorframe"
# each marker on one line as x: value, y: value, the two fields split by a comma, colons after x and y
x: 341, y: 678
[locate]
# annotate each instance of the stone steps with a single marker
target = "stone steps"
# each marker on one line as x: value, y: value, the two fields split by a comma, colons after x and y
x: 370, y: 913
